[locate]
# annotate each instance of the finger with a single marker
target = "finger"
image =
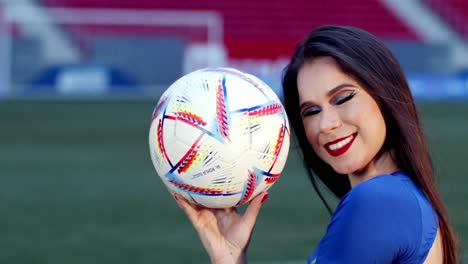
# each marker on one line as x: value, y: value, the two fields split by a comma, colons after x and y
x: 224, y: 212
x: 229, y: 210
x: 187, y: 207
x: 251, y: 213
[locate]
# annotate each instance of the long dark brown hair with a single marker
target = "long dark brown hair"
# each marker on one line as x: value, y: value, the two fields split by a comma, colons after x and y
x: 367, y: 60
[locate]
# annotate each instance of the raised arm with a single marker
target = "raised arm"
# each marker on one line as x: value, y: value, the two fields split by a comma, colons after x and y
x: 225, y: 233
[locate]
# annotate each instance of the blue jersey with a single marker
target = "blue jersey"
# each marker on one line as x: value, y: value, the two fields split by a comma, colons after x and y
x: 386, y: 219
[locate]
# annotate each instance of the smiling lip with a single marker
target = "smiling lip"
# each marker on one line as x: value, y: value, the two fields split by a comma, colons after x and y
x: 340, y: 149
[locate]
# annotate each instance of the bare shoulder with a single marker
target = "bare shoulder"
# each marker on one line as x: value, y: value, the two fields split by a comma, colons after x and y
x: 435, y: 255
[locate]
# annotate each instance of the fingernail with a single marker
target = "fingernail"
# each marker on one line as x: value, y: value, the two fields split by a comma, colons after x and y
x: 265, y: 197
x: 176, y: 197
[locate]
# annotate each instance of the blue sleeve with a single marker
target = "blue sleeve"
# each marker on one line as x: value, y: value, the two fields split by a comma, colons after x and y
x: 374, y: 223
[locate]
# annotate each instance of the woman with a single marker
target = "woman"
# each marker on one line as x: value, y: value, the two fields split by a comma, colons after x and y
x: 356, y: 122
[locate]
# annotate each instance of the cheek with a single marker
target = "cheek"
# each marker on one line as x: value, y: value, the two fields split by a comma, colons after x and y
x: 375, y: 119
x: 311, y: 134
x: 370, y: 123
x: 355, y: 112
x: 364, y: 112
x: 380, y: 130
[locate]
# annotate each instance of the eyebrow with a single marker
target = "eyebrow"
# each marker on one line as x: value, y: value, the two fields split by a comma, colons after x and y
x: 339, y: 87
x: 329, y: 93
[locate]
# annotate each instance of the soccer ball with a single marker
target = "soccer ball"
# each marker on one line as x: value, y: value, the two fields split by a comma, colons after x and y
x: 219, y: 137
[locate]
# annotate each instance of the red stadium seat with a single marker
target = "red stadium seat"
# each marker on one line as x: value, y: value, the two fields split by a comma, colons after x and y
x: 453, y: 12
x: 268, y: 29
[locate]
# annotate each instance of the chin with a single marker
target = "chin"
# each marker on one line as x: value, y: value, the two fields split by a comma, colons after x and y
x: 344, y: 169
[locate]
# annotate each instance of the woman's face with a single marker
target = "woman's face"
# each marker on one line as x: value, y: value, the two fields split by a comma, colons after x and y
x: 342, y: 121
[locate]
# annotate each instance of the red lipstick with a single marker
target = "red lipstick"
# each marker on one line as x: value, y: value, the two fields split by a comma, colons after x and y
x: 341, y: 149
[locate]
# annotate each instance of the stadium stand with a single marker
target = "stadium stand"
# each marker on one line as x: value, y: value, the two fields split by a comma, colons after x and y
x: 274, y: 31
x: 453, y: 12
x: 257, y: 36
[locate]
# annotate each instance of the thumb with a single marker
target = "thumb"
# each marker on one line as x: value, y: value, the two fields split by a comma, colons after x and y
x: 251, y: 213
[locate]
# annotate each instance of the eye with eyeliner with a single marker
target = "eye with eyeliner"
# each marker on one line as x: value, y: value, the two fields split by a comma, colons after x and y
x: 337, y: 100
x: 311, y: 111
x: 341, y: 99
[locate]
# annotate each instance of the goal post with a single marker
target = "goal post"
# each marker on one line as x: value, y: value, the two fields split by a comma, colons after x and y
x: 68, y: 36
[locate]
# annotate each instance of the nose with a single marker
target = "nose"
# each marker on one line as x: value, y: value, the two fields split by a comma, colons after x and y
x: 329, y: 120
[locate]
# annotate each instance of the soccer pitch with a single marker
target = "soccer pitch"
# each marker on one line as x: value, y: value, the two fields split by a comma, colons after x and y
x: 77, y: 186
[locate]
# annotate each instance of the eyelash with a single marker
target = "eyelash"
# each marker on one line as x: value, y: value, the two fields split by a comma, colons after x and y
x: 341, y: 100
x: 337, y: 101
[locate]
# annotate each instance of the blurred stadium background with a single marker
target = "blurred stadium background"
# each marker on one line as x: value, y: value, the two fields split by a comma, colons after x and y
x: 78, y: 83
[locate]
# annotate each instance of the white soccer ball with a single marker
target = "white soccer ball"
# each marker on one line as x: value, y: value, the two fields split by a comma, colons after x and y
x: 219, y: 137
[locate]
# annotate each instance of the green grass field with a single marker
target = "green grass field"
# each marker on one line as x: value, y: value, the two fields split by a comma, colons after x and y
x: 77, y: 186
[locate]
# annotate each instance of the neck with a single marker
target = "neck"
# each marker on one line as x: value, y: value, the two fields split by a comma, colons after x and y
x: 384, y: 164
